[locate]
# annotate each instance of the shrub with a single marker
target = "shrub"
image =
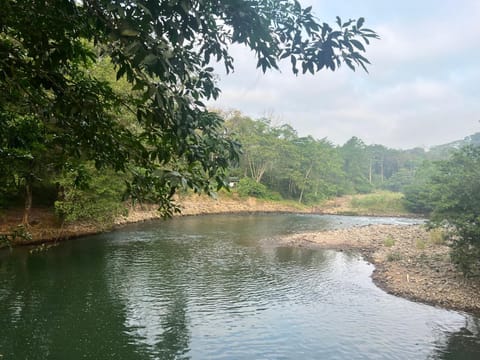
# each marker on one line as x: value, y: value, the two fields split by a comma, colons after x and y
x: 394, y: 256
x: 420, y: 244
x: 249, y: 187
x: 90, y: 195
x: 437, y: 236
x: 466, y: 258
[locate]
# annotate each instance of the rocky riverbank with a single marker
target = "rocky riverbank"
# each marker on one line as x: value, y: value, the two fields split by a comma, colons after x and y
x: 409, y: 262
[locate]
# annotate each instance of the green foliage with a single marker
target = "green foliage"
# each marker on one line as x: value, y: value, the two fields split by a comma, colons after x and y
x: 456, y: 202
x: 394, y: 256
x: 15, y: 235
x: 88, y: 195
x: 389, y: 241
x: 418, y: 195
x: 399, y: 180
x: 163, y: 52
x: 356, y: 164
x: 465, y: 256
x: 450, y: 191
x: 300, y: 168
x: 249, y: 187
x: 437, y: 236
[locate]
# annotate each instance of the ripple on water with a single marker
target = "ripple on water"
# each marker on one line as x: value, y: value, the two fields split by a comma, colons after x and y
x: 207, y: 289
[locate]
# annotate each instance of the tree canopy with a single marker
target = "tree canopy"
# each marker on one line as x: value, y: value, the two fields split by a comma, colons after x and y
x: 164, y: 50
x: 449, y: 190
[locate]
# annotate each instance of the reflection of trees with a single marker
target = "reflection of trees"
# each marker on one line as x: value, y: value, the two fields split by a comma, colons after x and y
x: 153, y: 296
x: 56, y: 305
x: 463, y: 344
x: 300, y: 256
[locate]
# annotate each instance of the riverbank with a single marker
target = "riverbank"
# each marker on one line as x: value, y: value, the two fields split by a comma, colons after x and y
x: 45, y: 227
x: 409, y: 262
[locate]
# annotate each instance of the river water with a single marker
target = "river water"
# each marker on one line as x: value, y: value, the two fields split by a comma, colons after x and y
x: 215, y: 287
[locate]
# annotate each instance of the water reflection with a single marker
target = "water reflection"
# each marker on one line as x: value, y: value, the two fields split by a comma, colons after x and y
x: 463, y: 344
x: 207, y: 288
x: 154, y: 299
x: 55, y: 305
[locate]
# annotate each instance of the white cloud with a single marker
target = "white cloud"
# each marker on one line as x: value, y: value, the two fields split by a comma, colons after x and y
x: 422, y: 88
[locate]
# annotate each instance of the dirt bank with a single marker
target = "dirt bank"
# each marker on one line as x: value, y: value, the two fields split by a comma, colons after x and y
x: 408, y: 263
x: 45, y: 227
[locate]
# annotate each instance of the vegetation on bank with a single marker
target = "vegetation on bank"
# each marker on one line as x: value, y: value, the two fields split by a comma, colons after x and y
x: 380, y: 203
x: 449, y: 191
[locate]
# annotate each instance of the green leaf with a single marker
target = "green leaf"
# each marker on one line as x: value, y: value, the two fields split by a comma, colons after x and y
x: 360, y: 22
x: 150, y: 59
x: 357, y: 44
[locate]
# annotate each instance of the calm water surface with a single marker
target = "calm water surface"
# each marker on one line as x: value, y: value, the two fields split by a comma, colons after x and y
x: 215, y: 287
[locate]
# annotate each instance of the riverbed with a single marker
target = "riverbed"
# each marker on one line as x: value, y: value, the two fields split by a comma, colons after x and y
x: 216, y: 287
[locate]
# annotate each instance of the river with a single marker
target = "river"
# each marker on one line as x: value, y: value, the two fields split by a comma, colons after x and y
x: 215, y: 287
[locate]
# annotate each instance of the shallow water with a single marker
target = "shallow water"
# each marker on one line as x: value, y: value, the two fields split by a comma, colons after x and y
x: 215, y: 287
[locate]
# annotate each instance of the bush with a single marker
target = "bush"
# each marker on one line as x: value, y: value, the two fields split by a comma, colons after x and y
x: 389, y: 241
x: 466, y: 257
x: 380, y: 202
x: 394, y: 256
x: 89, y: 195
x: 437, y: 236
x: 249, y: 187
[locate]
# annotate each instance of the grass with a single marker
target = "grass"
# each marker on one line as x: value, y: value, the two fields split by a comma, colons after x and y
x: 420, y: 244
x: 437, y: 237
x: 382, y: 202
x: 394, y: 256
x: 389, y: 241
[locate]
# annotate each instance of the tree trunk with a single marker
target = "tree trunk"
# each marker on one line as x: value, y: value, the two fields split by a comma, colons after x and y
x: 370, y: 172
x: 381, y: 169
x: 28, y: 204
x: 305, y: 183
x: 259, y: 175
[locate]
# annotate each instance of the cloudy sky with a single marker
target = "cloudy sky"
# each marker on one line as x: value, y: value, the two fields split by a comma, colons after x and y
x: 423, y: 87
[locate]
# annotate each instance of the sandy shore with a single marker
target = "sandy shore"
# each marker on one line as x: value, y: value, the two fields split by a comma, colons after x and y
x: 408, y: 263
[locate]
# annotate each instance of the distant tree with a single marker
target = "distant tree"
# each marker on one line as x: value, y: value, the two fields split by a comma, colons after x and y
x: 356, y: 164
x: 164, y: 50
x: 318, y: 166
x: 399, y: 180
x: 418, y: 194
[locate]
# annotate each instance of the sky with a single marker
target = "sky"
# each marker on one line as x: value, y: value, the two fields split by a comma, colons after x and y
x: 422, y: 89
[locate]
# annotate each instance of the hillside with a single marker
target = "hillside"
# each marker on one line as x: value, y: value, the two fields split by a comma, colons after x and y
x: 442, y: 151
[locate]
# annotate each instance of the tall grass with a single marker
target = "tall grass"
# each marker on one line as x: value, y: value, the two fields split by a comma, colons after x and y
x: 382, y: 202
